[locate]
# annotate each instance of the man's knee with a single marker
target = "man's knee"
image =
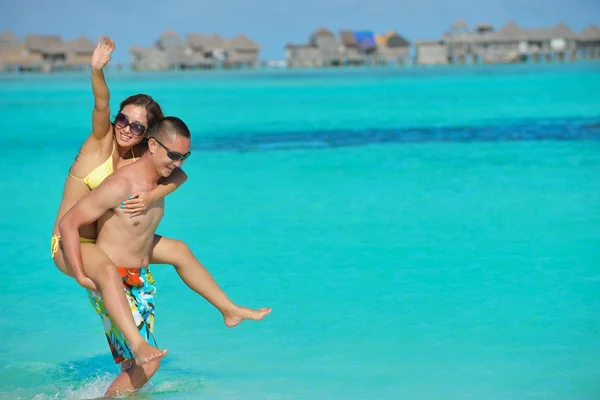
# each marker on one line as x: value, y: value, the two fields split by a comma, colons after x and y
x: 180, y: 246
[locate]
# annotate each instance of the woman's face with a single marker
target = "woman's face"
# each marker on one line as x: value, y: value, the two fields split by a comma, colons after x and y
x: 131, y: 125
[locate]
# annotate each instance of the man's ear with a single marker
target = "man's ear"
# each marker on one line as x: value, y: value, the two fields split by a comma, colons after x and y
x: 151, y: 145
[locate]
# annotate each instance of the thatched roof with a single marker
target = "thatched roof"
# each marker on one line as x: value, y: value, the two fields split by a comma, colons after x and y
x: 323, y: 32
x: 459, y: 25
x: 80, y: 45
x: 396, y: 40
x: 48, y: 44
x: 207, y: 43
x: 539, y: 34
x: 169, y: 39
x: 512, y: 32
x: 391, y: 39
x: 591, y: 33
x: 169, y: 33
x: 242, y: 42
x: 8, y: 36
x: 561, y: 30
x: 509, y: 31
x: 348, y: 38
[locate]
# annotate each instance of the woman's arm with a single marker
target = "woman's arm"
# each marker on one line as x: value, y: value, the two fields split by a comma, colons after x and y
x: 137, y: 203
x: 101, y: 126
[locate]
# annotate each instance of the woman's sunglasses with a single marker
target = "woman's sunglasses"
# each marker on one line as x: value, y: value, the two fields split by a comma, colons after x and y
x: 174, y: 155
x: 136, y: 128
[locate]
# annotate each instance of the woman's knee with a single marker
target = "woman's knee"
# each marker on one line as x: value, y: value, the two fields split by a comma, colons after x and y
x: 106, y: 272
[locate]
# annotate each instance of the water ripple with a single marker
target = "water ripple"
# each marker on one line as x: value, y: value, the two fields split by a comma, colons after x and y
x: 564, y: 129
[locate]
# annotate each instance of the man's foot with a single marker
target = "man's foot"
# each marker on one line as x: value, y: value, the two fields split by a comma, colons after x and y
x: 146, y: 353
x: 238, y: 314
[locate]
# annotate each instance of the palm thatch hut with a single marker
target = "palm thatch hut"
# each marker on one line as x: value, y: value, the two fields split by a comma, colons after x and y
x: 242, y: 52
x: 588, y: 42
x: 393, y: 48
x: 176, y: 51
x: 211, y: 46
x: 148, y: 59
x: 302, y: 56
x: 79, y: 53
x: 328, y: 46
x: 47, y: 50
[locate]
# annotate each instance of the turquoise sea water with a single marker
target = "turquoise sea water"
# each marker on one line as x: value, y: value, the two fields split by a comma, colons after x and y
x: 425, y: 233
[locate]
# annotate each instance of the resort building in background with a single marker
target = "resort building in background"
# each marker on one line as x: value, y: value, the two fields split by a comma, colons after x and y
x: 325, y: 49
x: 458, y: 45
x: 509, y: 44
x: 197, y: 51
x: 44, y: 53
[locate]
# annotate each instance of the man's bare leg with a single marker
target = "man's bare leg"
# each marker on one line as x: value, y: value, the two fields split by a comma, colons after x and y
x: 197, y: 278
x: 132, y: 377
x: 100, y: 269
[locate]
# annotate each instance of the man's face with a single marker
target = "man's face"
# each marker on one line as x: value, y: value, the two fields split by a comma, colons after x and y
x: 169, y: 153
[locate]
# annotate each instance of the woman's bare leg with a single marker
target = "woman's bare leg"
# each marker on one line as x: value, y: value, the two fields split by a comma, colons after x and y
x: 100, y: 269
x: 197, y: 278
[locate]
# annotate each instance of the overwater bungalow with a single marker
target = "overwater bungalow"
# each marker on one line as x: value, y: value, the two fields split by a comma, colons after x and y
x: 325, y: 49
x: 588, y: 43
x: 242, y: 52
x: 510, y: 44
x: 44, y: 53
x: 203, y: 51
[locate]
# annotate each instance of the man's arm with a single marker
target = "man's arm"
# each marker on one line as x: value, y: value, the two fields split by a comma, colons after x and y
x: 106, y: 197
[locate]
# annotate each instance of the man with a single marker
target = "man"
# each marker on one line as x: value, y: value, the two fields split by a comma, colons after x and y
x: 128, y: 241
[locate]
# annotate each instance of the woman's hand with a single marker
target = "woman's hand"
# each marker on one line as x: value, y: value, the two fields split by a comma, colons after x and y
x: 137, y: 203
x: 101, y: 55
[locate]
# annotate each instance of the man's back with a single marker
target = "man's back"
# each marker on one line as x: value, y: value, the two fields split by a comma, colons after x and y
x: 128, y: 241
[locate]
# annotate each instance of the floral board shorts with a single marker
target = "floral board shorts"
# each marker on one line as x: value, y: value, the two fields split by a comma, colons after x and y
x: 140, y: 291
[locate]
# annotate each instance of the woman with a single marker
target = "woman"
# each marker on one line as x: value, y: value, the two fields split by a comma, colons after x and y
x: 109, y: 147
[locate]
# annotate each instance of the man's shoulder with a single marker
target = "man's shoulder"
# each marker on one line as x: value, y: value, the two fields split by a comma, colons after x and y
x: 117, y: 182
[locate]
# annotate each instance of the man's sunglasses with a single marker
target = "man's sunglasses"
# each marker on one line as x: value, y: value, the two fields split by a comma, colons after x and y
x: 136, y: 128
x: 173, y: 155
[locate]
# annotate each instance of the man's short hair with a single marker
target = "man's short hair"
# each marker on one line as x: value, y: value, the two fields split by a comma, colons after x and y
x: 169, y: 127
